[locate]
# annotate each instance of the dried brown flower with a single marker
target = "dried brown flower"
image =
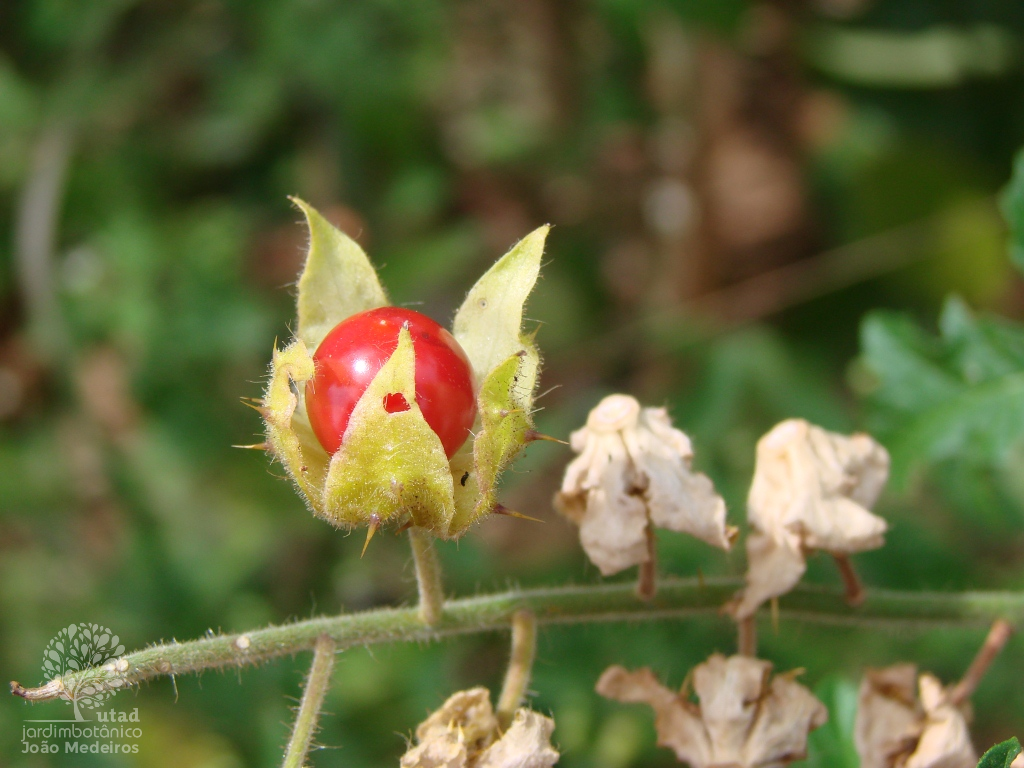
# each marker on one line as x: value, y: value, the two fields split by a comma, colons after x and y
x: 812, y: 490
x: 464, y: 733
x: 907, y: 721
x: 745, y: 718
x: 634, y: 471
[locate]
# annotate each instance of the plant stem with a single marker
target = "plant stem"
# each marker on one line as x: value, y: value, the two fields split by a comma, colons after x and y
x: 520, y: 664
x: 746, y: 641
x: 428, y: 576
x: 854, y: 588
x: 997, y: 637
x: 676, y: 599
x: 312, y: 699
x: 647, y: 579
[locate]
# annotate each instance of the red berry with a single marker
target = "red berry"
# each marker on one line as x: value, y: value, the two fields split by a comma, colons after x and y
x: 351, y: 354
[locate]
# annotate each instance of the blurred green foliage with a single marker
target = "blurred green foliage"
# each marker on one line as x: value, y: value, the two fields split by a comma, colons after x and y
x: 164, y: 138
x: 1013, y: 209
x: 955, y: 399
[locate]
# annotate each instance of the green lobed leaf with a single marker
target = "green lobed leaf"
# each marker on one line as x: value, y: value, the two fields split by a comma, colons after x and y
x: 1012, y: 204
x: 983, y: 422
x: 337, y: 280
x: 488, y: 324
x: 907, y: 361
x: 960, y: 394
x: 980, y: 348
x: 1001, y: 755
x: 390, y: 464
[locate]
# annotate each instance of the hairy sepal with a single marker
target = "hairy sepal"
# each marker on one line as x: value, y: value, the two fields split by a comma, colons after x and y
x: 467, y: 489
x: 503, y: 406
x: 294, y: 446
x: 337, y: 281
x: 488, y: 325
x: 390, y: 465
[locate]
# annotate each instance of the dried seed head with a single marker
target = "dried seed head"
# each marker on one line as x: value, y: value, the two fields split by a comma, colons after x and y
x: 634, y: 470
x: 811, y: 490
x: 744, y: 718
x: 464, y: 733
x: 906, y: 721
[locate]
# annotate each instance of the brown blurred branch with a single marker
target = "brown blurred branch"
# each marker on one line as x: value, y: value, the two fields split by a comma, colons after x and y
x: 771, y: 292
x: 997, y: 638
x: 36, y: 234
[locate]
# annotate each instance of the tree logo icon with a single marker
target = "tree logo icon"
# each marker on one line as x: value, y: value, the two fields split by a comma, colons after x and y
x: 87, y: 648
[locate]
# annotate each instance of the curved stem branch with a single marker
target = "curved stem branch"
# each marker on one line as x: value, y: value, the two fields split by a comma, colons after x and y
x: 676, y: 599
x: 852, y: 582
x: 428, y: 576
x: 997, y: 637
x: 520, y: 664
x: 312, y: 700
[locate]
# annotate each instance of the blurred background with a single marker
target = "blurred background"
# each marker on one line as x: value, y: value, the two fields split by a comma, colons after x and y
x: 762, y: 210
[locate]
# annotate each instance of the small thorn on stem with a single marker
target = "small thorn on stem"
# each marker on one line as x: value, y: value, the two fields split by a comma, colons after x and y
x: 254, y: 447
x: 854, y: 588
x: 997, y: 637
x: 371, y: 529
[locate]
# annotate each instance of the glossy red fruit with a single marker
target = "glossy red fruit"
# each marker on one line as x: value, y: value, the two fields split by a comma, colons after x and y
x: 351, y: 354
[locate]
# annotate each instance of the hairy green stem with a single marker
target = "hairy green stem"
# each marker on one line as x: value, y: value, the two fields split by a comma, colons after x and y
x: 676, y: 598
x: 312, y: 700
x: 520, y: 664
x: 428, y: 576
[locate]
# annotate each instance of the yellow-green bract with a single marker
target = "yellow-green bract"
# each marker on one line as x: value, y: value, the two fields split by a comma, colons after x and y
x: 391, y: 467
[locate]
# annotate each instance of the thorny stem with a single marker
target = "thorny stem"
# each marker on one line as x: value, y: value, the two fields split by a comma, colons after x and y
x: 312, y: 699
x: 997, y: 637
x: 520, y: 664
x: 854, y: 588
x: 647, y: 579
x: 746, y: 641
x: 428, y: 576
x: 676, y: 599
